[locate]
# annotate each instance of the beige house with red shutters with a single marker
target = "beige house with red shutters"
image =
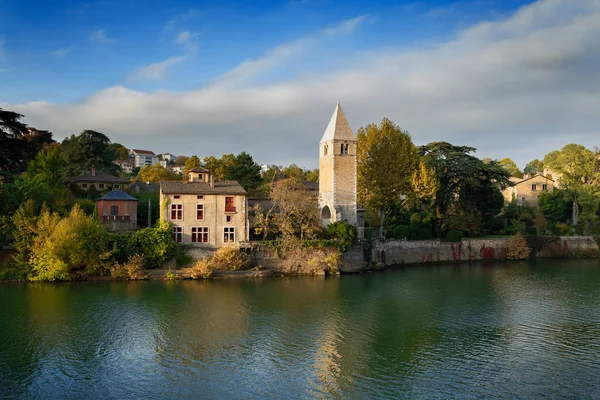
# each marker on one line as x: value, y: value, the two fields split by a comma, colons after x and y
x: 204, y: 213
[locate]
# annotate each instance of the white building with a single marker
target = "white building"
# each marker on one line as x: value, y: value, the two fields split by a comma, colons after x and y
x: 142, y: 158
x: 168, y: 157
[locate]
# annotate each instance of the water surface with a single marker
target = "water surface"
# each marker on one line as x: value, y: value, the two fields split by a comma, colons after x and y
x: 469, y: 332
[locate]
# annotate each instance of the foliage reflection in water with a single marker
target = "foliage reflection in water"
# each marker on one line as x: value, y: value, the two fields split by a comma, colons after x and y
x: 520, y: 330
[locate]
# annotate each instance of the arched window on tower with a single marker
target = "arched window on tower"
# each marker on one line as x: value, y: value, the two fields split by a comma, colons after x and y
x: 344, y: 148
x: 325, y: 150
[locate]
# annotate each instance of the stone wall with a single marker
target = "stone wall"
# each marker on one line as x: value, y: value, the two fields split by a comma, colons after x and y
x: 395, y: 252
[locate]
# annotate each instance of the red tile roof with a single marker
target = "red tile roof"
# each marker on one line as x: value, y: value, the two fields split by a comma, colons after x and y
x: 143, y: 152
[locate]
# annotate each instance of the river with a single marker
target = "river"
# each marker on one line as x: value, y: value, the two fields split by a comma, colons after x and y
x: 468, y: 332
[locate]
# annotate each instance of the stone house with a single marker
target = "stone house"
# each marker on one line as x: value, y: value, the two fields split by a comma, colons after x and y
x: 204, y: 213
x: 117, y: 211
x: 125, y: 165
x: 98, y: 180
x: 526, y: 191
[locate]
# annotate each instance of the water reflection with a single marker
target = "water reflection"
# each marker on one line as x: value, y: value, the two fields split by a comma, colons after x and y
x: 517, y: 331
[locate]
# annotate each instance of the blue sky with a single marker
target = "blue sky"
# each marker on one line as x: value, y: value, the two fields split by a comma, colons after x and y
x: 216, y: 77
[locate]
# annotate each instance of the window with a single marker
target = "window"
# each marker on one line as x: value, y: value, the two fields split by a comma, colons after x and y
x: 534, y: 187
x: 178, y: 234
x: 176, y: 196
x: 200, y: 234
x: 200, y: 176
x: 229, y: 218
x: 229, y: 234
x: 116, y: 186
x: 325, y: 150
x: 200, y: 212
x: 176, y: 211
x: 101, y: 186
x: 114, y: 210
x: 545, y: 186
x: 200, y: 197
x: 229, y: 204
x: 84, y: 185
x: 344, y: 148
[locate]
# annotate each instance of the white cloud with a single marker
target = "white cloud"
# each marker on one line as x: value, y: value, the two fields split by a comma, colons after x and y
x: 101, y: 37
x: 60, y: 52
x: 176, y: 22
x: 518, y: 87
x: 159, y: 70
x: 185, y: 37
x: 347, y: 26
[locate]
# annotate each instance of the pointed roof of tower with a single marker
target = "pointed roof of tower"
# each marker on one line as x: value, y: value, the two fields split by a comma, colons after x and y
x: 338, y: 127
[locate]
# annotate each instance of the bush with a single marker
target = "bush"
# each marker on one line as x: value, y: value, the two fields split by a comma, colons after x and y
x: 425, y: 234
x: 343, y: 232
x: 156, y: 245
x: 517, y: 248
x: 202, y: 269
x: 561, y: 229
x: 225, y: 259
x: 132, y: 269
x: 454, y: 236
x: 401, y: 232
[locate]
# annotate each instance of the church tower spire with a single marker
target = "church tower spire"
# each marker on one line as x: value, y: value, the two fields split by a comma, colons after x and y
x: 337, y: 171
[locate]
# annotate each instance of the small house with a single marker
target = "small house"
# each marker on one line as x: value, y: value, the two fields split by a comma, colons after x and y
x: 117, y: 211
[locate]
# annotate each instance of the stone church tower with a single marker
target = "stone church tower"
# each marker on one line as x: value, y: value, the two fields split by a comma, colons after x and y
x: 337, y: 171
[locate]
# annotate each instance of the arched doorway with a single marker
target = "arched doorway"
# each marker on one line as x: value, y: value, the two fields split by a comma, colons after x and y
x: 325, y: 215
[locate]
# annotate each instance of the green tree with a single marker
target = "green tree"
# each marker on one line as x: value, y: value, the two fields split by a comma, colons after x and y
x: 511, y: 167
x: 219, y: 166
x: 579, y: 169
x: 424, y: 183
x: 463, y: 180
x: 49, y: 165
x: 294, y: 171
x: 245, y: 171
x: 534, y: 167
x: 297, y: 210
x: 117, y: 151
x: 87, y: 150
x: 155, y: 173
x: 191, y: 163
x: 313, y: 176
x: 386, y: 160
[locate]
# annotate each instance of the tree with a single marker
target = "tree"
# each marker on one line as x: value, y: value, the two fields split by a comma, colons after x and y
x: 245, y: 171
x: 18, y: 143
x: 297, y: 209
x: 463, y: 180
x: 579, y: 169
x: 424, y: 183
x: 534, y: 167
x: 219, y: 166
x: 511, y: 167
x: 49, y: 165
x: 191, y: 163
x: 155, y: 173
x: 89, y: 149
x: 180, y: 161
x: 313, y: 176
x: 555, y: 205
x: 386, y: 161
x: 118, y: 152
x: 294, y: 171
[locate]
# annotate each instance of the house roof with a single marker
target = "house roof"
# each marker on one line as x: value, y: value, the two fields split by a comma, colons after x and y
x: 100, y: 177
x: 117, y: 195
x: 338, y: 127
x: 535, y: 176
x: 199, y: 169
x: 221, y: 187
x: 143, y: 152
x: 143, y: 187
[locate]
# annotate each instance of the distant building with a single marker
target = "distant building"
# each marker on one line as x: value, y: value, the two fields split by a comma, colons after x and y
x: 265, y: 167
x: 178, y: 169
x: 204, y: 213
x: 168, y: 157
x: 337, y: 171
x: 117, y: 211
x: 526, y: 191
x: 99, y: 181
x: 142, y: 158
x: 125, y: 165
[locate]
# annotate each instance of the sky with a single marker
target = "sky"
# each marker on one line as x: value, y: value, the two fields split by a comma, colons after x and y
x: 512, y: 78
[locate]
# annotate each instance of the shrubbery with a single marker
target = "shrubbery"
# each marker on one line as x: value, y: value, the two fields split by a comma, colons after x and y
x: 342, y: 232
x: 517, y: 247
x: 225, y: 259
x: 454, y: 236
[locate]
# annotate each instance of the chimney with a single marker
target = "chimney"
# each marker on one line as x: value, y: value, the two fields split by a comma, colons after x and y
x: 185, y: 178
x: 211, y: 182
x: 93, y: 171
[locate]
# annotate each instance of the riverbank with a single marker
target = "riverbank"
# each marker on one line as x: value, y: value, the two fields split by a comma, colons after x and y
x: 364, y: 256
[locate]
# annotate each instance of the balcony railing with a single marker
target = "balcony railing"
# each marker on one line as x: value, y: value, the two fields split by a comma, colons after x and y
x: 122, y: 218
x: 229, y: 209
